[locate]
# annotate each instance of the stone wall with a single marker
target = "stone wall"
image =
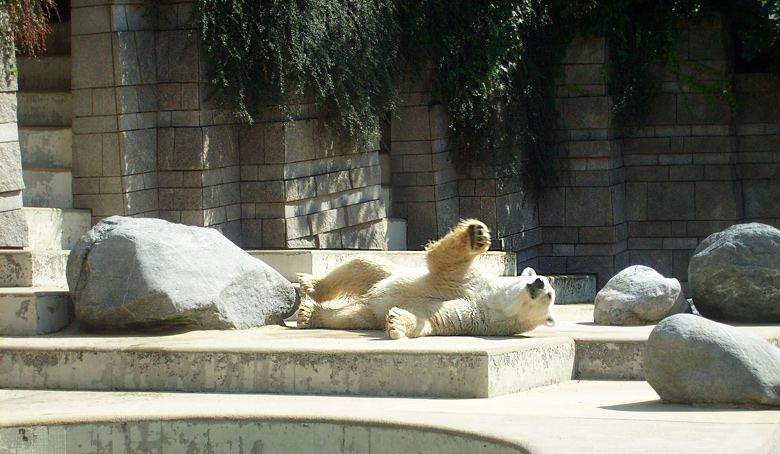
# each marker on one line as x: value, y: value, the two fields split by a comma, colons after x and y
x: 13, y: 226
x: 149, y: 141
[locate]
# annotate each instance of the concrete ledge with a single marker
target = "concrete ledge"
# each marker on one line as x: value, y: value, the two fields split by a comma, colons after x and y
x: 290, y: 262
x: 573, y: 417
x: 48, y: 187
x: 229, y: 436
x: 287, y: 361
x: 44, y: 107
x: 33, y: 311
x: 46, y: 146
x: 29, y: 268
x: 55, y: 228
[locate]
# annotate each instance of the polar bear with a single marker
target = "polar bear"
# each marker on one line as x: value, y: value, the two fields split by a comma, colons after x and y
x: 453, y: 295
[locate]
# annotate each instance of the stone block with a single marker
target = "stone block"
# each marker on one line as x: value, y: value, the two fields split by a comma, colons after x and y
x: 597, y: 235
x: 585, y: 50
x: 662, y: 110
x: 141, y: 201
x: 365, y: 212
x: 326, y: 221
x: 220, y: 146
x: 697, y: 109
x: 707, y: 144
x: 91, y: 20
x: 299, y: 141
x: 95, y: 125
x: 761, y: 198
x: 11, y: 169
x: 591, y: 112
x: 670, y: 201
x: 262, y: 191
x: 300, y: 188
x: 169, y: 96
x: 13, y: 229
x: 686, y: 173
x: 138, y: 151
x: 365, y: 176
x: 410, y: 123
x: 180, y: 149
x: 716, y: 200
x: 297, y: 227
x: 92, y: 62
x: 87, y: 155
x: 102, y: 205
x: 332, y: 183
x: 588, y: 206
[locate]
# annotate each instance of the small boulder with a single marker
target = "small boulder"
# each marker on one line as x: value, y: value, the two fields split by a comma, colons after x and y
x: 735, y: 274
x: 138, y: 274
x: 638, y: 295
x: 690, y: 360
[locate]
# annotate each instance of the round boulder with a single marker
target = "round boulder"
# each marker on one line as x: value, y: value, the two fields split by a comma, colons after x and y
x: 139, y: 274
x: 638, y: 295
x: 691, y: 360
x: 735, y: 274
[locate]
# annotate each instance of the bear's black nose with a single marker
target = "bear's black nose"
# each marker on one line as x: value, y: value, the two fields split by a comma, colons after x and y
x: 538, y: 284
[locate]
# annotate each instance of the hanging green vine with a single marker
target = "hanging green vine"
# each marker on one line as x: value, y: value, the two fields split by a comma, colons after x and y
x: 495, y: 64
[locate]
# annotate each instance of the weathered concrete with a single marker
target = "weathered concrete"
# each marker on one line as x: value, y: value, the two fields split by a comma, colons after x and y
x: 578, y: 416
x: 33, y: 268
x: 34, y: 311
x: 54, y: 228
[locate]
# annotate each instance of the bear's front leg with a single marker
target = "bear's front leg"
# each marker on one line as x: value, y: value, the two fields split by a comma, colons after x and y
x: 401, y: 324
x: 451, y: 256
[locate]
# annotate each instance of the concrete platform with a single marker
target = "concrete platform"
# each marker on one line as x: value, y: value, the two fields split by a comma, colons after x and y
x: 44, y: 107
x: 573, y: 417
x: 44, y: 146
x: 278, y: 359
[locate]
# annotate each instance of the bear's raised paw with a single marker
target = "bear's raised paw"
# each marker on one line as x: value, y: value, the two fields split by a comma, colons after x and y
x: 479, y: 237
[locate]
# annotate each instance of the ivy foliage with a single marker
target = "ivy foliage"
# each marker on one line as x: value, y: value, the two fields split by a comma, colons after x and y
x: 493, y: 64
x: 24, y: 25
x: 341, y: 53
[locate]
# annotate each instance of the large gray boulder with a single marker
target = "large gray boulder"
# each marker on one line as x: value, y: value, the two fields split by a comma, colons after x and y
x: 138, y: 274
x: 689, y: 359
x: 735, y: 274
x: 638, y: 295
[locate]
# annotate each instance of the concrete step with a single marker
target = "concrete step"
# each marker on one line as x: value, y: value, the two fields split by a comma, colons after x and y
x: 34, y: 310
x: 284, y: 360
x: 55, y: 228
x: 49, y: 72
x: 44, y: 107
x: 317, y: 262
x: 574, y: 288
x: 276, y: 359
x: 48, y: 187
x: 28, y: 268
x: 58, y: 41
x: 574, y: 417
x: 45, y: 146
x: 396, y: 234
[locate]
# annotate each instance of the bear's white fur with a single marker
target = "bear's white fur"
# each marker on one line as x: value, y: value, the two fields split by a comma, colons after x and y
x: 453, y: 295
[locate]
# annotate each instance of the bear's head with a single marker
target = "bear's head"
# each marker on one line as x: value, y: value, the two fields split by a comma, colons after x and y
x: 533, y: 300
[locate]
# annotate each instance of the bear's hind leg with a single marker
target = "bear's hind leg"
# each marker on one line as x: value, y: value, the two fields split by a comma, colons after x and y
x: 353, y: 278
x: 352, y: 316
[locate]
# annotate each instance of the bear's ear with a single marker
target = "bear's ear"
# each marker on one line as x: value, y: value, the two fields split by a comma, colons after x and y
x: 535, y: 286
x: 528, y: 272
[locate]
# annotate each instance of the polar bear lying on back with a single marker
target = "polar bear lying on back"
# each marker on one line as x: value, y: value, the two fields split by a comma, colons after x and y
x: 453, y: 295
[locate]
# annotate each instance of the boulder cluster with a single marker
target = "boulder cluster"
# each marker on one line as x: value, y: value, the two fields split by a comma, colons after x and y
x: 734, y: 276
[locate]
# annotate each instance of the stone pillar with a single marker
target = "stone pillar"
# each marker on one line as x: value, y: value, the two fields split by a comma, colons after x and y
x: 424, y: 183
x: 583, y: 220
x: 13, y: 226
x: 114, y: 109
